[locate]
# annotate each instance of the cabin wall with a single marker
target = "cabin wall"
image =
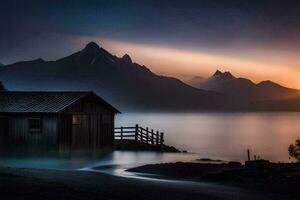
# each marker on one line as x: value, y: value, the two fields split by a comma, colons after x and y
x: 20, y: 135
x: 4, y: 124
x: 64, y: 132
x: 81, y: 134
x: 97, y: 125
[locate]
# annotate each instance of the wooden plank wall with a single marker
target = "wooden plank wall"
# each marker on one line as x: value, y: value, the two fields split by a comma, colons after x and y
x: 4, y: 124
x: 97, y: 128
x: 94, y: 132
x: 64, y: 138
x: 19, y: 133
x: 81, y: 134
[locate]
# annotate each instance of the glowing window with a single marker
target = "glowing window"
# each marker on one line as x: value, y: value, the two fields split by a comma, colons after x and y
x: 76, y: 119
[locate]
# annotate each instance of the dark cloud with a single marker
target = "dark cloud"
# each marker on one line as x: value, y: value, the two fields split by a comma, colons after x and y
x: 29, y: 26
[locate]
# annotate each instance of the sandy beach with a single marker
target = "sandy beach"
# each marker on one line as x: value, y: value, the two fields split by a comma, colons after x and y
x: 72, y: 184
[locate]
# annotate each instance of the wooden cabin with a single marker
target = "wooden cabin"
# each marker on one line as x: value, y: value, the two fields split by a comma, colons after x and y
x: 59, y: 121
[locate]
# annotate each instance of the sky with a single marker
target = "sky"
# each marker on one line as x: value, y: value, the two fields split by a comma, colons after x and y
x: 257, y: 39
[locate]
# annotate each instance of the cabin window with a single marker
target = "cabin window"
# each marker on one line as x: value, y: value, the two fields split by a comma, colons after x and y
x: 76, y: 119
x: 35, y: 124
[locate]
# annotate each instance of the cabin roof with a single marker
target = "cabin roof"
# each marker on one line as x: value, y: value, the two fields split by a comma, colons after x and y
x: 43, y: 102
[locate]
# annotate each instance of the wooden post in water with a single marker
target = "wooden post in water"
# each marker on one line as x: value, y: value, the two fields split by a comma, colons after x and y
x: 147, y: 135
x: 248, y: 153
x: 136, y: 132
x: 121, y: 133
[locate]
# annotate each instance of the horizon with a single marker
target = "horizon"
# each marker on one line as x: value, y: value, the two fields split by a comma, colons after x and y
x: 256, y: 40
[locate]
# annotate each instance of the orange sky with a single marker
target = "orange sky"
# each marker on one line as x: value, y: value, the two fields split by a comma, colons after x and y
x: 256, y: 63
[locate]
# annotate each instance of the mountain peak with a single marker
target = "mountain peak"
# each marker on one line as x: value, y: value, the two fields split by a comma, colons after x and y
x: 224, y: 74
x: 268, y: 83
x: 218, y: 72
x: 92, y: 49
x: 92, y: 46
x: 127, y: 58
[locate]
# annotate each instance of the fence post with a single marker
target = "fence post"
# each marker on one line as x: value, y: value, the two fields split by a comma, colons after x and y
x: 147, y: 135
x: 152, y: 141
x: 121, y: 132
x: 157, y: 138
x: 248, y: 154
x: 162, y: 141
x: 142, y: 135
x: 136, y: 132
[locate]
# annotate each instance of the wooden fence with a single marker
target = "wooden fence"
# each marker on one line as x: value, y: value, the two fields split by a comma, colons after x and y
x: 137, y: 133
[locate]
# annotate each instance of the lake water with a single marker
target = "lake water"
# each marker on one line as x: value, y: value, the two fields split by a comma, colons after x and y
x: 225, y: 136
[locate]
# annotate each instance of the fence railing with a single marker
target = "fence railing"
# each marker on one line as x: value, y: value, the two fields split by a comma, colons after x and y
x: 137, y: 133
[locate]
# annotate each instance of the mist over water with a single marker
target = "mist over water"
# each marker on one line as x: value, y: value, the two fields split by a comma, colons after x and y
x: 224, y: 136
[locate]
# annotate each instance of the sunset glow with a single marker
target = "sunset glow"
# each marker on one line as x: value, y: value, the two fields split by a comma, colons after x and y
x: 185, y: 63
x: 258, y: 41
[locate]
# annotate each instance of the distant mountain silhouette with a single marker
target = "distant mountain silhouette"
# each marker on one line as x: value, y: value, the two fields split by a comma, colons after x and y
x: 195, y: 81
x: 133, y: 87
x: 244, y: 89
x: 290, y: 104
x: 127, y: 85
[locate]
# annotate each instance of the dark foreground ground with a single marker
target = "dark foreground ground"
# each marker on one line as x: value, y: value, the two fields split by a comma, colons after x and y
x: 54, y: 184
x: 257, y: 176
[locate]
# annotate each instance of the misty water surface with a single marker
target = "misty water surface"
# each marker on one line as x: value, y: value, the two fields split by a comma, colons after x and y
x: 224, y: 136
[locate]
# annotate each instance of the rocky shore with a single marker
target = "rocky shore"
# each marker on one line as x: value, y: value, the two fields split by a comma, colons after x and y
x: 261, y: 175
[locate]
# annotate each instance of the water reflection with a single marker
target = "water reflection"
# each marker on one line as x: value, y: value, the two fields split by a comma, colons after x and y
x: 224, y: 136
x: 109, y: 162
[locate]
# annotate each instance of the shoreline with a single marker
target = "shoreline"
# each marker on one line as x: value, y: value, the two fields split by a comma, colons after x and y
x: 204, y: 179
x: 81, y: 185
x: 260, y: 175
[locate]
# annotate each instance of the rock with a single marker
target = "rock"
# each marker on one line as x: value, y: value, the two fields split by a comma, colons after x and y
x: 257, y: 164
x: 234, y: 164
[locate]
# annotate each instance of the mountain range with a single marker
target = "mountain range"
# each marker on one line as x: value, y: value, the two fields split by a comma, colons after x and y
x: 133, y: 87
x: 227, y: 83
x: 127, y: 85
x: 248, y: 94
